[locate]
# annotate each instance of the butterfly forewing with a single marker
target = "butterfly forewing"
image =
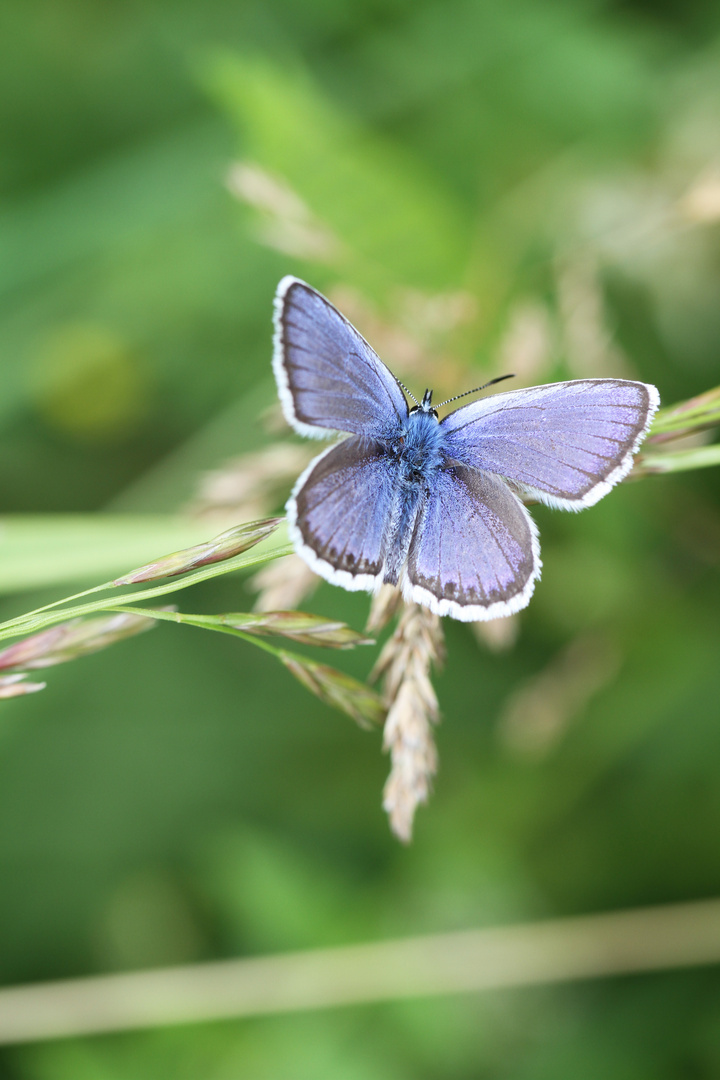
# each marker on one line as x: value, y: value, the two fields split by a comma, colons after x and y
x: 474, y: 552
x: 565, y: 443
x: 328, y: 377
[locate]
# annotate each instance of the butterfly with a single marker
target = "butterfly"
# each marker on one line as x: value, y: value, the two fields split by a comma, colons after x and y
x: 434, y: 506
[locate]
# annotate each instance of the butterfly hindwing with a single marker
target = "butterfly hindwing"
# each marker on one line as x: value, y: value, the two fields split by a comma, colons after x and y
x: 341, y: 511
x: 474, y: 552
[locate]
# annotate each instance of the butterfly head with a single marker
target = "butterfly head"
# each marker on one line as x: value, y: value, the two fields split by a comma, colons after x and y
x: 425, y: 405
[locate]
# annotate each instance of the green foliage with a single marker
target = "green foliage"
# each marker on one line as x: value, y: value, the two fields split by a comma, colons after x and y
x: 390, y: 215
x: 529, y: 187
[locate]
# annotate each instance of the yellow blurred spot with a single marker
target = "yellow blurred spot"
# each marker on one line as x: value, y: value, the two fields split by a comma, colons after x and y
x: 701, y: 202
x: 88, y: 384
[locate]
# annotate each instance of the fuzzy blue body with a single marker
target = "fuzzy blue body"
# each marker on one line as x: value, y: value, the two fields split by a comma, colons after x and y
x: 419, y: 447
x: 418, y: 452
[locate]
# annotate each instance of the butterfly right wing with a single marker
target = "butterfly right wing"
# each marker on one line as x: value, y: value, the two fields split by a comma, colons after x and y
x: 328, y: 377
x: 340, y: 514
x: 474, y: 553
x: 565, y: 443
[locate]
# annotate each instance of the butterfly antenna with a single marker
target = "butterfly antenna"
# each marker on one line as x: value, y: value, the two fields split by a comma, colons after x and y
x: 408, y: 392
x: 477, y: 390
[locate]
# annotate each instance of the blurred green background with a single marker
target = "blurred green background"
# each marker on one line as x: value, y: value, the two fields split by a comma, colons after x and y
x: 530, y: 186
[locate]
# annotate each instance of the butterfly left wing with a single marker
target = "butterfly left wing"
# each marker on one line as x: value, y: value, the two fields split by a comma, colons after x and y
x: 341, y: 511
x: 567, y: 444
x: 328, y: 377
x: 474, y: 552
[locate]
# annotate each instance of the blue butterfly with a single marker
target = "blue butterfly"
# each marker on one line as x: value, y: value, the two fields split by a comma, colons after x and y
x: 432, y: 505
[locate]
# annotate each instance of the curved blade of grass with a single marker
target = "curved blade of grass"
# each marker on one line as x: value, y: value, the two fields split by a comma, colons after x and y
x: 273, y: 547
x: 700, y: 457
x: 39, y: 550
x: 696, y: 414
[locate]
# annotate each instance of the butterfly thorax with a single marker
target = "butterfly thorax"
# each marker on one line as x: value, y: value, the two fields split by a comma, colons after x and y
x: 419, y: 446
